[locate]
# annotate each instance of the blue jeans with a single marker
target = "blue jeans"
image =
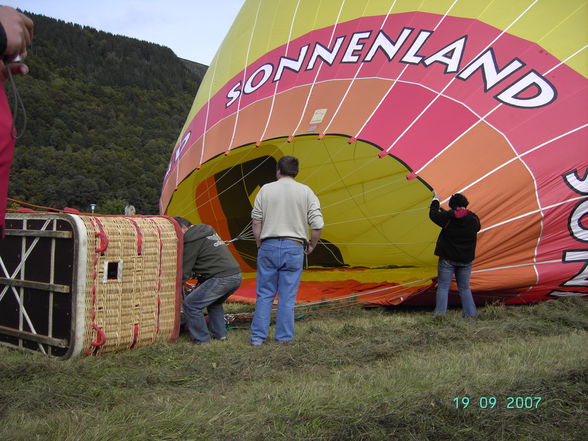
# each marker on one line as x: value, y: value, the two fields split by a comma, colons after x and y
x: 279, y: 267
x: 462, y: 271
x: 211, y: 295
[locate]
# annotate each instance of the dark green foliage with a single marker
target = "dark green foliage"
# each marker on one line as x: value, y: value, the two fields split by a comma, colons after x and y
x: 104, y: 112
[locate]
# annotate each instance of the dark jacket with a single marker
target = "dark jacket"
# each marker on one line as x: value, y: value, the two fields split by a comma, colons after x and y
x: 457, y: 240
x: 206, y: 255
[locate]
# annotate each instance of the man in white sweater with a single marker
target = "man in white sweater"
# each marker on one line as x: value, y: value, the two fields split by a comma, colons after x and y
x: 282, y: 214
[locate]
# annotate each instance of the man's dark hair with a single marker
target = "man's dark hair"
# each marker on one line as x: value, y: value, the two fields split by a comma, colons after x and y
x: 288, y: 166
x: 458, y: 200
x: 183, y: 222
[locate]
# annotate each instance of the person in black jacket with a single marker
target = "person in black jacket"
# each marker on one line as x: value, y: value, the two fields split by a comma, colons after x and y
x: 207, y: 257
x: 456, y: 248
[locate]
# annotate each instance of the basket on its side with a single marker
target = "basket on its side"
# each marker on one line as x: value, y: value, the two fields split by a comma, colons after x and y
x: 75, y: 284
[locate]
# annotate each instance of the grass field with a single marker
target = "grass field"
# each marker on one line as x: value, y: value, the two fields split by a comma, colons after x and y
x: 352, y: 374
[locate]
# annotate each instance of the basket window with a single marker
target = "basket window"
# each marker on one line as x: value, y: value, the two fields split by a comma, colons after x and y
x: 113, y: 271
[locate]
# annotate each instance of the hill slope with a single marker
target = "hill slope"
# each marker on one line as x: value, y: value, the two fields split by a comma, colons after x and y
x: 103, y: 113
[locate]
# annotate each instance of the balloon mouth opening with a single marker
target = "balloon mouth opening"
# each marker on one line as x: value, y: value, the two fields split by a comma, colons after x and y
x: 371, y: 225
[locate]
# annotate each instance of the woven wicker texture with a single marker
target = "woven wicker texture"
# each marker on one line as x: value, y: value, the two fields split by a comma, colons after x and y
x: 131, y: 286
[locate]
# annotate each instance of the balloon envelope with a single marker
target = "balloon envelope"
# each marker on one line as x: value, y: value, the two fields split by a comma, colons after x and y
x: 382, y: 102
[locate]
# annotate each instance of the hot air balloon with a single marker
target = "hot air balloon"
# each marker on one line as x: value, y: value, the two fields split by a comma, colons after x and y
x: 384, y: 101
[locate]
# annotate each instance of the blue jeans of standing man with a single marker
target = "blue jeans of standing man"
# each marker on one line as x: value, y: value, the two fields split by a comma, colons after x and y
x: 279, y: 267
x: 462, y: 271
x: 210, y: 295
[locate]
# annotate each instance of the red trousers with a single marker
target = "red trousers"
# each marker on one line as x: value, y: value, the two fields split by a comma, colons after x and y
x: 6, y: 153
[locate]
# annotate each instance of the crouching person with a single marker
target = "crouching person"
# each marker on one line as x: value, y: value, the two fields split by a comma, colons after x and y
x: 219, y: 274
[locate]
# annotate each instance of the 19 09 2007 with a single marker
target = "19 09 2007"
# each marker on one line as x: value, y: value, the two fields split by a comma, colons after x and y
x: 493, y: 402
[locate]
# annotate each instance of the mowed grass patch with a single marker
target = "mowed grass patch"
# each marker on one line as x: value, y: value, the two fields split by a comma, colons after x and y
x: 352, y: 374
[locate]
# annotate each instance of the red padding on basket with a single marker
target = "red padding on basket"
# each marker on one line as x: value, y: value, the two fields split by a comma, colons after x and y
x: 158, y: 312
x: 103, y: 242
x: 139, y: 237
x: 103, y: 238
x: 100, y: 337
x: 135, y: 336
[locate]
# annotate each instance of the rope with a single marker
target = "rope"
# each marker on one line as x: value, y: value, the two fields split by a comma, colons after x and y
x: 245, y: 234
x: 17, y: 103
x: 231, y: 318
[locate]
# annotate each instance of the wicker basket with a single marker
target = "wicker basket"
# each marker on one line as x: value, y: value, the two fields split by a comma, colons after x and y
x: 75, y: 284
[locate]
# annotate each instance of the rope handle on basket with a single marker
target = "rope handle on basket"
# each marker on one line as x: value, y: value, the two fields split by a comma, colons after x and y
x: 100, y: 337
x: 103, y: 241
x: 139, y: 237
x: 103, y: 238
x: 135, y: 336
x: 100, y: 340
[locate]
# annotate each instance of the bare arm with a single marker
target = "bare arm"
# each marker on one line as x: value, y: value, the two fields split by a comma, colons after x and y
x: 256, y: 225
x: 314, y: 238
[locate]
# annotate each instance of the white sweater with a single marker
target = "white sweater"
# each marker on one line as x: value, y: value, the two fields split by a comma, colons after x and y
x: 287, y: 208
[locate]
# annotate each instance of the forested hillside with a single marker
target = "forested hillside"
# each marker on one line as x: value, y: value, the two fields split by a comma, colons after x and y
x: 103, y: 114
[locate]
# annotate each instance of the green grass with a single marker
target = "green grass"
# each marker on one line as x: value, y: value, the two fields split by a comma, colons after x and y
x: 352, y: 374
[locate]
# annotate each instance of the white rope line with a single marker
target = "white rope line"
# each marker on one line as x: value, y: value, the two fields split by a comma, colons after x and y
x: 571, y: 14
x: 318, y: 71
x: 484, y: 118
x: 360, y: 207
x: 207, y: 116
x: 454, y: 78
x: 228, y: 170
x: 322, y: 242
x: 326, y: 129
x: 377, y: 108
x: 269, y: 117
x: 341, y: 179
x: 530, y: 213
x: 445, y: 15
x: 360, y: 219
x: 566, y: 60
x: 363, y: 193
x: 394, y: 81
x: 521, y: 265
x: 187, y: 199
x: 244, y: 74
x: 388, y: 14
x: 247, y: 232
x: 518, y: 157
